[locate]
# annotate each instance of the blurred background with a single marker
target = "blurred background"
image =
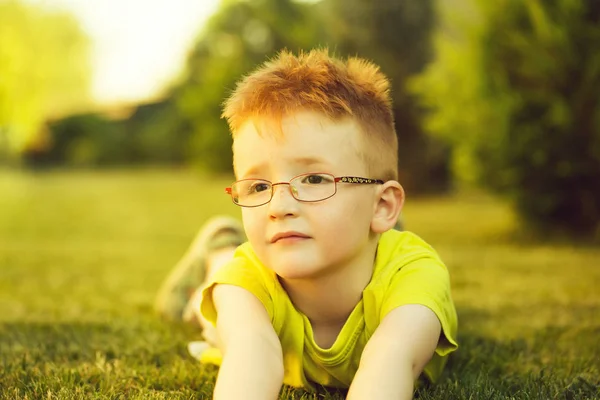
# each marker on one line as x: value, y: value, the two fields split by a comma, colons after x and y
x: 500, y: 95
x: 113, y: 154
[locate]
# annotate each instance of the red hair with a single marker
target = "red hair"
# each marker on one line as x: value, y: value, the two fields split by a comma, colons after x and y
x: 316, y: 81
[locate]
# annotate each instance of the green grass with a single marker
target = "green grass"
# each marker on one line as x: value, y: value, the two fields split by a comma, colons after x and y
x: 82, y: 255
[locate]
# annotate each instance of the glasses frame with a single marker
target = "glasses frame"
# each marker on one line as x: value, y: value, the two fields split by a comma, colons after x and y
x: 336, y: 179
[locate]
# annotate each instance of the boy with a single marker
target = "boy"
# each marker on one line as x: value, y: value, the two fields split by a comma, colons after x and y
x: 324, y: 292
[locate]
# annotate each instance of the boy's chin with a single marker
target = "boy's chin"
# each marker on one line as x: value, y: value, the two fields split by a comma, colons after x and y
x: 289, y: 270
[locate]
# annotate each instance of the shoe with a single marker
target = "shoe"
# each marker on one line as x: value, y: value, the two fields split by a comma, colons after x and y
x: 196, y: 349
x: 190, y: 272
x: 205, y: 353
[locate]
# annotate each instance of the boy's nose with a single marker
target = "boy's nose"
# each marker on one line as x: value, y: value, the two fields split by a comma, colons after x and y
x: 283, y: 202
x: 292, y: 188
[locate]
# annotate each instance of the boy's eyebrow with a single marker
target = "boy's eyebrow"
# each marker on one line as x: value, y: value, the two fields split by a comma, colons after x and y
x: 251, y: 171
x: 255, y: 169
x: 309, y: 160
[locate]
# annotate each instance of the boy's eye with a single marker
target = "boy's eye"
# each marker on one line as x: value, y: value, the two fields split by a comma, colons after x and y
x: 316, y: 179
x: 258, y: 187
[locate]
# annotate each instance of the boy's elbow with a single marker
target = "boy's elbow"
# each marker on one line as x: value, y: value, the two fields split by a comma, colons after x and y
x: 252, y: 368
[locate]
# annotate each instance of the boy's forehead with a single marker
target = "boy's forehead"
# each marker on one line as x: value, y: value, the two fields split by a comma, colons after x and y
x: 302, y: 138
x: 281, y: 127
x: 298, y: 129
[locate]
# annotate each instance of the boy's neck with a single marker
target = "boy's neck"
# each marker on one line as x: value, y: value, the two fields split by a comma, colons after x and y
x: 329, y: 299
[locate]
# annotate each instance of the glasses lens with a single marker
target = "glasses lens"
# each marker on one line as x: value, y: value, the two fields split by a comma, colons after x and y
x: 313, y: 187
x: 251, y: 192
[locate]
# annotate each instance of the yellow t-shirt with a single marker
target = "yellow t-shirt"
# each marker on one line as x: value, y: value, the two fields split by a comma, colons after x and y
x: 406, y: 271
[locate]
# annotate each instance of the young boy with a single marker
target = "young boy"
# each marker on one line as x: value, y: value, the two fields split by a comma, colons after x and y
x: 324, y: 292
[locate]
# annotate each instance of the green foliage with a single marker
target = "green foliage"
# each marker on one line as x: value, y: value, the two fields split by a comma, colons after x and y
x: 158, y: 134
x: 86, y: 140
x: 82, y: 255
x: 515, y: 89
x: 186, y: 126
x: 44, y: 72
x: 237, y: 38
x: 241, y: 35
x: 395, y: 35
x: 154, y: 133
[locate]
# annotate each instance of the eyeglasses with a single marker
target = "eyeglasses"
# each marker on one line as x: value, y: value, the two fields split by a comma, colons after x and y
x: 308, y: 188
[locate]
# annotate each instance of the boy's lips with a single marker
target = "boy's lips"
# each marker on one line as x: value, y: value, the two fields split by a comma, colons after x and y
x: 290, y: 235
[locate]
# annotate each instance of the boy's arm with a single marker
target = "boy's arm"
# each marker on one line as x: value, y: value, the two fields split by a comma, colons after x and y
x: 252, y: 366
x: 396, y: 354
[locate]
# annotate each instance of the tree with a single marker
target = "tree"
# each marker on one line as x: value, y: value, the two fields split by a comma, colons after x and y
x: 44, y: 72
x: 157, y: 133
x: 85, y: 140
x: 396, y: 35
x: 237, y: 38
x: 516, y: 89
x: 393, y: 34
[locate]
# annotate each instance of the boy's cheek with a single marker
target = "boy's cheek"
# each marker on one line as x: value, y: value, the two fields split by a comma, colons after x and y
x: 252, y: 226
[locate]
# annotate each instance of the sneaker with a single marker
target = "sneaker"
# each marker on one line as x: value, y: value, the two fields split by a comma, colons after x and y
x: 190, y: 272
x: 196, y: 349
x: 205, y: 353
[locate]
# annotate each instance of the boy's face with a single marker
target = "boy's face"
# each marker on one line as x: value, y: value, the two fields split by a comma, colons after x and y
x: 324, y: 235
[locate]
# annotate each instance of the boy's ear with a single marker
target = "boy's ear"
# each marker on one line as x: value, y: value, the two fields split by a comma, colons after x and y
x: 388, y: 206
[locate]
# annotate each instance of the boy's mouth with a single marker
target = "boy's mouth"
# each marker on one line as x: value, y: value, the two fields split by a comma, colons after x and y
x: 290, y: 236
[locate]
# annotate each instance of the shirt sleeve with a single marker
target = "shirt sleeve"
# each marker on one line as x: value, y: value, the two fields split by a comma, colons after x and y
x: 239, y: 272
x: 425, y: 281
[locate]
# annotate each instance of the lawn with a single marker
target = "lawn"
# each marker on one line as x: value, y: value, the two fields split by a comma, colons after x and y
x: 82, y: 255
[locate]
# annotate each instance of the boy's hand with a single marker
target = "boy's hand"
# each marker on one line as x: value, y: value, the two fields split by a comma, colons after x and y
x: 396, y: 354
x: 252, y: 366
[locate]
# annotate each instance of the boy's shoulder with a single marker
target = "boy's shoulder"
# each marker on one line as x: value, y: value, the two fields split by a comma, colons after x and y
x: 398, y: 249
x: 403, y: 244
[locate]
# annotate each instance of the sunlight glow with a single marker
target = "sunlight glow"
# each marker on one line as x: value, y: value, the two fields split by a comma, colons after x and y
x: 138, y: 46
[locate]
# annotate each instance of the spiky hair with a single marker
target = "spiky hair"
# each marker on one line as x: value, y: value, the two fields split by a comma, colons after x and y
x: 316, y: 81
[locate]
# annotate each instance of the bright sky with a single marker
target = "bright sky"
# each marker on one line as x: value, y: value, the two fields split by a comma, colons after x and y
x: 138, y: 46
